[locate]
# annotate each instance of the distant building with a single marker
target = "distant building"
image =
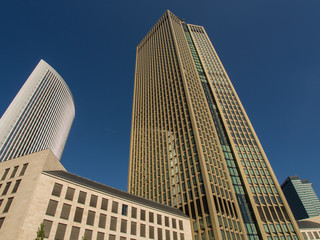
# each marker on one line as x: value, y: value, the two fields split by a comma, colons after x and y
x: 301, y: 197
x: 39, y: 117
x: 310, y: 228
x: 37, y: 189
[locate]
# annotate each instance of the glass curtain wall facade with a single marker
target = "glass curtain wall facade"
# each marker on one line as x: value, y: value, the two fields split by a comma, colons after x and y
x: 39, y: 117
x: 192, y: 144
x: 301, y: 197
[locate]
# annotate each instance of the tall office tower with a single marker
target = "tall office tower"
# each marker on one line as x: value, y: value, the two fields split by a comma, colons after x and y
x: 301, y: 197
x: 192, y: 144
x: 39, y: 117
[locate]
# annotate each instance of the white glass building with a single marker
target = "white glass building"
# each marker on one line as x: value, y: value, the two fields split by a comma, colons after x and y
x: 39, y: 117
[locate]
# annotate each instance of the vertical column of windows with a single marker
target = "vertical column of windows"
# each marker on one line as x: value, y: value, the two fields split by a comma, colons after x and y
x: 210, y: 151
x: 258, y: 174
x: 250, y: 222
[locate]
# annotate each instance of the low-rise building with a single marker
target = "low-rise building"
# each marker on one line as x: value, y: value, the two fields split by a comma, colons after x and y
x: 37, y: 189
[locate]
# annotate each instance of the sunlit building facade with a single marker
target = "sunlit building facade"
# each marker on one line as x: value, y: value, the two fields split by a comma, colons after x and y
x: 39, y: 117
x: 192, y: 144
x: 37, y: 189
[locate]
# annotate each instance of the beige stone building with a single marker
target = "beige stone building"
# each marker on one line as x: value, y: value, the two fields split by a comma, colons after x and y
x: 310, y: 228
x: 192, y: 144
x: 36, y: 189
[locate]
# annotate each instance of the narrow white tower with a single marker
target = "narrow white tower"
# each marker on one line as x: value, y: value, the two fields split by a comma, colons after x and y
x: 39, y: 117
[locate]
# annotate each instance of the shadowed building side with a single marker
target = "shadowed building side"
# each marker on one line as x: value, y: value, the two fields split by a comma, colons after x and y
x: 303, y: 201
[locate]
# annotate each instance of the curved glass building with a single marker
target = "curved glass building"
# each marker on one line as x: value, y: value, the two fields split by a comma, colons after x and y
x: 39, y: 117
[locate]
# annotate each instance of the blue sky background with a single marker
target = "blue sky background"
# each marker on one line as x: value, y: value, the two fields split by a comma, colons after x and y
x: 270, y: 49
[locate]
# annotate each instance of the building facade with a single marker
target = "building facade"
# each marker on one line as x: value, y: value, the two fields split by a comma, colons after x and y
x: 36, y: 189
x: 192, y: 144
x: 310, y: 228
x: 39, y: 117
x: 301, y: 197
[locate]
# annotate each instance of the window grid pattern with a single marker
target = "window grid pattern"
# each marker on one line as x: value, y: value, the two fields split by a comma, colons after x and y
x: 245, y: 148
x: 102, y: 216
x: 245, y: 207
x: 11, y: 179
x: 219, y: 182
x: 167, y: 164
x: 41, y: 122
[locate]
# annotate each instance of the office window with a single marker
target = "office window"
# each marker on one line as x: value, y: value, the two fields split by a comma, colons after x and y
x: 15, y: 169
x: 181, y: 224
x: 174, y: 223
x: 114, y: 207
x: 143, y: 215
x: 78, y: 215
x: 113, y: 224
x: 159, y: 233
x: 102, y: 220
x: 166, y: 221
x: 16, y: 186
x: 124, y: 210
x: 100, y: 236
x: 61, y: 231
x: 23, y: 170
x: 82, y: 197
x: 6, y: 188
x: 123, y: 227
x: 310, y: 235
x: 1, y: 221
x: 52, y: 207
x: 134, y: 212
x: 47, y: 228
x: 133, y: 230
x: 90, y: 218
x: 159, y: 219
x: 167, y: 235
x: 93, y: 201
x: 151, y: 217
x: 69, y: 193
x: 210, y: 235
x: 88, y: 234
x: 5, y: 174
x: 56, y: 191
x: 175, y: 236
x: 75, y: 232
x: 304, y: 236
x: 65, y: 212
x: 112, y: 237
x: 142, y: 230
x: 104, y: 204
x: 151, y: 232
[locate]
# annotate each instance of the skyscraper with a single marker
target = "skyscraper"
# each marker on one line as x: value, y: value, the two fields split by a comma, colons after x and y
x: 192, y: 144
x: 39, y: 117
x: 301, y: 197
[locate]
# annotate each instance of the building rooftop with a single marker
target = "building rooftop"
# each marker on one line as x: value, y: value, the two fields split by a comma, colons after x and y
x: 291, y: 178
x: 115, y: 192
x: 307, y: 224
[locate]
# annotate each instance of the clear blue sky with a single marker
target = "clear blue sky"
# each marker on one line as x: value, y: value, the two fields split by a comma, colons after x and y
x: 270, y: 49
